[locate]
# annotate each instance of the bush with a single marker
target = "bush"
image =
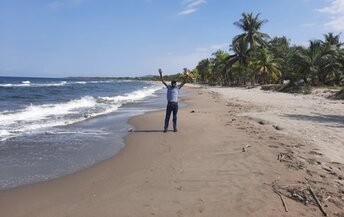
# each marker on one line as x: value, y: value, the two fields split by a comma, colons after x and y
x: 273, y: 87
x: 293, y: 88
x: 339, y: 95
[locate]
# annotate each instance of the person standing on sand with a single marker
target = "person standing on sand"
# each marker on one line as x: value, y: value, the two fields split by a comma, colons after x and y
x: 172, y: 100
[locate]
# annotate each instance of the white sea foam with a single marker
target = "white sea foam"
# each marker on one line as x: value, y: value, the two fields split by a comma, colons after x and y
x: 4, y: 133
x: 131, y: 97
x: 62, y: 83
x: 41, y: 116
x: 97, y: 82
x: 80, y: 82
x: 95, y: 132
x: 36, y: 117
x: 29, y: 84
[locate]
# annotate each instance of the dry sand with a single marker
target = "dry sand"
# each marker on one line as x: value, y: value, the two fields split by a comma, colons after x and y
x: 199, y: 171
x: 314, y: 118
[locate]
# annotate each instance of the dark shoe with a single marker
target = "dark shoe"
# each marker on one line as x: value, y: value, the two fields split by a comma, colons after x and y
x: 175, y: 130
x: 165, y: 131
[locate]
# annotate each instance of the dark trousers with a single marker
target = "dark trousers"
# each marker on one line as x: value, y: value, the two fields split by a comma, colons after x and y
x: 171, y: 107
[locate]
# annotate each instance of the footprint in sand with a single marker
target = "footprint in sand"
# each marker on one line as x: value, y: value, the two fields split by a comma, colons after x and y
x: 179, y: 188
x: 180, y: 213
x: 315, y: 153
x: 201, y: 206
x: 299, y: 146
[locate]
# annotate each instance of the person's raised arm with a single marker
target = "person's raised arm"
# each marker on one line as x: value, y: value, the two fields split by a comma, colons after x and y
x: 161, y: 78
x: 185, y: 77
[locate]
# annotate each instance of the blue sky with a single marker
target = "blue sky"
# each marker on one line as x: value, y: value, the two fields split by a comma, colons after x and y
x: 57, y: 38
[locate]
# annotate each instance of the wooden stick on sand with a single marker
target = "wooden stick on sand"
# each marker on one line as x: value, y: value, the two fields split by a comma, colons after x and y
x: 280, y: 157
x: 280, y: 195
x: 318, y: 202
x: 244, y: 149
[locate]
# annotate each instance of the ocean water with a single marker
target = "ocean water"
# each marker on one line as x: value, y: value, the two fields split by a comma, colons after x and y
x: 50, y: 127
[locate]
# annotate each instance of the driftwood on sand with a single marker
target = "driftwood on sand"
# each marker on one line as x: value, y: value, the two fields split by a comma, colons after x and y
x: 280, y: 195
x: 244, y: 149
x: 318, y: 202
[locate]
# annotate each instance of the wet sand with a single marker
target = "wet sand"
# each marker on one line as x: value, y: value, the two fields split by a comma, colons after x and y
x: 220, y: 163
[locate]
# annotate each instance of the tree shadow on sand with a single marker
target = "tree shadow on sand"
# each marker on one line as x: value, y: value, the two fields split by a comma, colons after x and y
x: 338, y: 120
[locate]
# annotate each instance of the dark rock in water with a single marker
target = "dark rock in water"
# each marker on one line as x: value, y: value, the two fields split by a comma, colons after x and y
x: 87, y: 115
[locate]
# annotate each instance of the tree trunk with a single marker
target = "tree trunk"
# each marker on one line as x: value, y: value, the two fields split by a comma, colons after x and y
x: 229, y: 76
x: 254, y: 80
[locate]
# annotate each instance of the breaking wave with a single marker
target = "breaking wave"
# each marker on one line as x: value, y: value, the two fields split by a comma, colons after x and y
x: 36, y: 117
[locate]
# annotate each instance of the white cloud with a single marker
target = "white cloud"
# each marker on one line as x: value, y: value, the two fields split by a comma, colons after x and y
x: 336, y: 24
x: 191, y: 6
x: 335, y: 7
x: 188, y: 11
x: 195, y: 3
x: 336, y: 10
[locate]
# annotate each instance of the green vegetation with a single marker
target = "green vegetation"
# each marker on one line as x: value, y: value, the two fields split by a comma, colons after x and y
x: 256, y: 58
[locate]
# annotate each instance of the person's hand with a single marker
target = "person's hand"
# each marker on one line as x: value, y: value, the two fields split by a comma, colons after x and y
x: 160, y: 71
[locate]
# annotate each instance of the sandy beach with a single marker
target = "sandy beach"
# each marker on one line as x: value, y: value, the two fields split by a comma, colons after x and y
x: 317, y: 120
x: 233, y: 148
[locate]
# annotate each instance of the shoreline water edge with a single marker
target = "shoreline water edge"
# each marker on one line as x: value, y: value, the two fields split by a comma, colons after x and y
x: 221, y: 161
x: 54, y: 137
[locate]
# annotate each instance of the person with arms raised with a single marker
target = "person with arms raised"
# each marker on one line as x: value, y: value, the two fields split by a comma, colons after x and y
x: 172, y: 99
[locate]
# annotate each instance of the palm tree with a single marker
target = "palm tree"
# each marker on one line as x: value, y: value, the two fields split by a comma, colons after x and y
x: 241, y: 56
x: 203, y: 69
x: 316, y: 61
x: 251, y: 25
x: 219, y: 67
x: 336, y: 60
x: 282, y: 52
x: 267, y: 67
x: 339, y: 74
x: 331, y: 39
